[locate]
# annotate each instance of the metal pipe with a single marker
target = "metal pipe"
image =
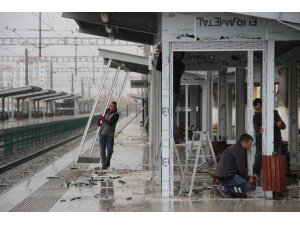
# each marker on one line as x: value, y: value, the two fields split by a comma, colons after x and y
x: 122, y: 88
x: 93, y: 110
x: 107, y: 102
x: 135, y: 116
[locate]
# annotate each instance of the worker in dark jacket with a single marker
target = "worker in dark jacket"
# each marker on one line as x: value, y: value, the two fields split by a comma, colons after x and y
x: 108, y: 124
x: 232, y: 169
x: 178, y: 69
x: 257, y: 123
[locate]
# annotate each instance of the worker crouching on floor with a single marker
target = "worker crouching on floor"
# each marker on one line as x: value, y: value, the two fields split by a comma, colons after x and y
x: 232, y: 169
x: 108, y: 124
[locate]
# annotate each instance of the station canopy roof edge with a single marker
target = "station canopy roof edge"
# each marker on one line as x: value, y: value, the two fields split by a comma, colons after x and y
x: 48, y: 96
x: 59, y: 97
x: 34, y: 94
x: 138, y: 27
x: 19, y: 91
x: 127, y: 61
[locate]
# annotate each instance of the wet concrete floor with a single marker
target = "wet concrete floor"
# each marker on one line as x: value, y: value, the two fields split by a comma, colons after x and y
x: 126, y: 189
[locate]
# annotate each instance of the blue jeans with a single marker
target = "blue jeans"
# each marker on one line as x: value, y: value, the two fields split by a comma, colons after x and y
x: 175, y: 103
x: 236, y: 185
x: 106, y: 143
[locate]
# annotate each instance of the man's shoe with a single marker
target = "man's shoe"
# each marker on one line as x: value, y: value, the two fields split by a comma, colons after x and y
x: 221, y: 192
x: 104, y: 167
x: 108, y: 164
x: 238, y: 195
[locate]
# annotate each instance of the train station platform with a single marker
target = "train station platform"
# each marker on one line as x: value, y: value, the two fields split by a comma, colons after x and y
x: 66, y: 186
x: 11, y: 123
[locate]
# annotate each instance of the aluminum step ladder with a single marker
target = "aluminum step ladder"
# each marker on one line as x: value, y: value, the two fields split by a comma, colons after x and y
x: 203, y: 159
x: 89, y: 158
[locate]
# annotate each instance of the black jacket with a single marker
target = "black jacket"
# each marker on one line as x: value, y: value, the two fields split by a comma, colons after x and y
x: 233, y: 161
x: 178, y: 69
x: 257, y: 123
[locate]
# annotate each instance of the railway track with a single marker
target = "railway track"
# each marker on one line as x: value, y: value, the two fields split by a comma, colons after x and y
x: 19, y: 170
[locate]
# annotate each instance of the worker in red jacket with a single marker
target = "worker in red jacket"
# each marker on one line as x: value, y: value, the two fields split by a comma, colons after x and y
x: 107, y: 125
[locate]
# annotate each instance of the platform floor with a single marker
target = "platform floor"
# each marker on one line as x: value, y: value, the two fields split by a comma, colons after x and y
x: 64, y: 187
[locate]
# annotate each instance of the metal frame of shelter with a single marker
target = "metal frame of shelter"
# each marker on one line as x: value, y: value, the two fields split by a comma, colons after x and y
x: 167, y: 97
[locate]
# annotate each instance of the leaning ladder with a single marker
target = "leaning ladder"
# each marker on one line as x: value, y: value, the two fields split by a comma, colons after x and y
x: 204, y: 160
x: 90, y: 159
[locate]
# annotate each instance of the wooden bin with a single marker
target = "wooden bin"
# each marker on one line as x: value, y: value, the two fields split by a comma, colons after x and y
x: 274, y: 173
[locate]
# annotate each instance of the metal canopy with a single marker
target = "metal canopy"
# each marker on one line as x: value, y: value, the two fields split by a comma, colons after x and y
x: 131, y: 62
x: 34, y: 94
x: 139, y: 27
x: 48, y: 96
x: 59, y: 97
x: 18, y: 91
x: 73, y: 97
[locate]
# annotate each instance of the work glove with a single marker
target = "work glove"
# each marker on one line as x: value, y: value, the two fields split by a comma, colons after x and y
x: 102, y: 118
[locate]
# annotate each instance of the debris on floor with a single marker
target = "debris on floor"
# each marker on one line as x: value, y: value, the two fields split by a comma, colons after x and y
x: 53, y: 177
x: 73, y: 167
x: 72, y: 199
x: 121, y: 182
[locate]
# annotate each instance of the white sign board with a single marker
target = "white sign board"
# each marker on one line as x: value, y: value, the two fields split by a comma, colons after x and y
x: 229, y: 26
x: 212, y: 26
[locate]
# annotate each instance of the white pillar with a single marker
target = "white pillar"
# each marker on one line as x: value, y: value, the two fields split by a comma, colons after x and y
x: 250, y: 113
x: 167, y: 111
x: 268, y: 101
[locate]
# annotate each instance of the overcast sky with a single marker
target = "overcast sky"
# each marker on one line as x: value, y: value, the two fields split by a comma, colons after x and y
x: 25, y: 25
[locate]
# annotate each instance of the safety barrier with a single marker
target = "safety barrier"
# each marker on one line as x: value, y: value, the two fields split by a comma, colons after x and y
x: 18, y: 138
